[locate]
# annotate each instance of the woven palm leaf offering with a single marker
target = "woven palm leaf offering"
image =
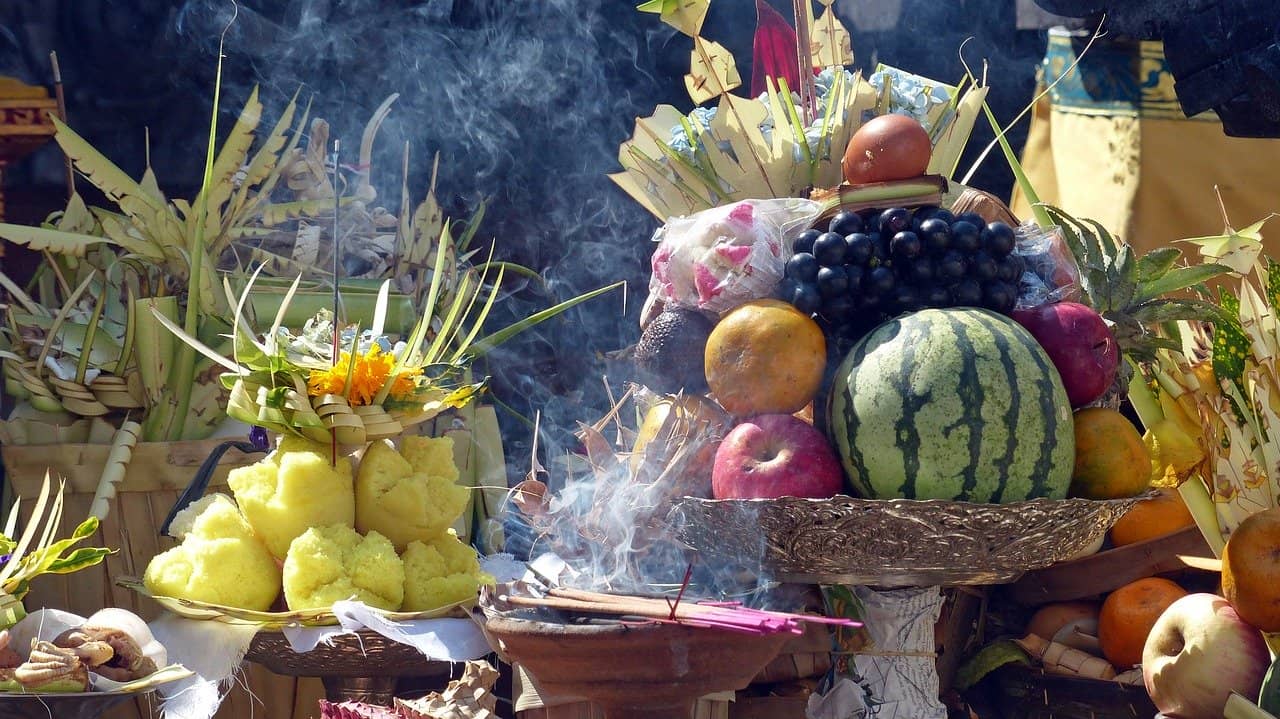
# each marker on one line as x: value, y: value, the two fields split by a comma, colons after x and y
x: 924, y: 392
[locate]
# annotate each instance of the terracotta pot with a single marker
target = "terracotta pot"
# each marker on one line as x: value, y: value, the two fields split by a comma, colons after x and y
x: 633, y: 671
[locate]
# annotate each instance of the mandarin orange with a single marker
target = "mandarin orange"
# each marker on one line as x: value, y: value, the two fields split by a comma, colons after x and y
x: 1129, y: 613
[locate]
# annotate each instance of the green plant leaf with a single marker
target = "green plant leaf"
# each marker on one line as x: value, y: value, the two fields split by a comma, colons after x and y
x: 987, y: 660
x: 1230, y: 343
x: 91, y: 331
x: 1157, y: 262
x: 1180, y: 278
x: 233, y: 155
x: 82, y: 558
x: 1125, y: 284
x: 1170, y: 310
x: 488, y: 343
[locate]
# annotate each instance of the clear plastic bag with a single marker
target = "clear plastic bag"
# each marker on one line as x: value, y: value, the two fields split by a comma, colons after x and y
x: 1051, y: 274
x: 719, y: 258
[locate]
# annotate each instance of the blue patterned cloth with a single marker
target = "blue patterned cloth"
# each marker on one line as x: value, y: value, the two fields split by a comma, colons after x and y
x: 1125, y: 78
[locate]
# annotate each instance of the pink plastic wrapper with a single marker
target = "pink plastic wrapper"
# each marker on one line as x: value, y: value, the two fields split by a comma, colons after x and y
x: 1051, y: 274
x: 719, y: 258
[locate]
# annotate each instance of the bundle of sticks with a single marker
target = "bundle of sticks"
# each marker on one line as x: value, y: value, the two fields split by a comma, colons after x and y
x: 730, y: 616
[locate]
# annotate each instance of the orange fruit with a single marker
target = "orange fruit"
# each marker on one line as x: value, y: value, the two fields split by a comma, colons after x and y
x: 1251, y: 570
x: 765, y: 357
x: 1151, y: 518
x: 1129, y: 613
x: 1112, y: 461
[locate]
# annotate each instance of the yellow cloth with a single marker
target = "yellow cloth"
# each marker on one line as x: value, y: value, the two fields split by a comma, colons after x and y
x: 1109, y: 145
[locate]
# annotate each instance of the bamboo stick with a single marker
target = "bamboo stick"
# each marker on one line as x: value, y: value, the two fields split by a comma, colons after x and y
x: 60, y: 96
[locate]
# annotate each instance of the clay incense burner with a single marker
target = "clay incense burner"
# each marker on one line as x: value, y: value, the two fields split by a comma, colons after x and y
x: 633, y: 671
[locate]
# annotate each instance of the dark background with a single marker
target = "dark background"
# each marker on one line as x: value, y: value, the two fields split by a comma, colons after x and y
x: 525, y: 100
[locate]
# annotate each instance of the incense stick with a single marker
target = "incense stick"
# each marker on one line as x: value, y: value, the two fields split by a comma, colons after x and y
x: 804, y: 56
x: 334, y: 247
x: 711, y: 615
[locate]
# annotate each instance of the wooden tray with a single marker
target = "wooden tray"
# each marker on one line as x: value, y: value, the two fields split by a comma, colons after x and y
x: 1105, y: 571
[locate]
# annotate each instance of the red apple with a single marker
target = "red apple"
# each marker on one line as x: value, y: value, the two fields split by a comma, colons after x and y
x: 1080, y: 345
x: 775, y: 455
x: 1199, y: 652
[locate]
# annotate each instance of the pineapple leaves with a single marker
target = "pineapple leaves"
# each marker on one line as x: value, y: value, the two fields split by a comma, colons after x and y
x: 1157, y: 262
x: 1170, y: 310
x: 1180, y: 278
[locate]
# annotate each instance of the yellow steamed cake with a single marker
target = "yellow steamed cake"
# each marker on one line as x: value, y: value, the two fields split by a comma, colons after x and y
x: 329, y: 564
x: 440, y: 573
x: 408, y: 502
x: 293, y: 489
x: 220, y: 559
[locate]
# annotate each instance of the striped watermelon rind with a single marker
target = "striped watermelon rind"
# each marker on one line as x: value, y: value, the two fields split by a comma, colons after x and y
x: 957, y: 404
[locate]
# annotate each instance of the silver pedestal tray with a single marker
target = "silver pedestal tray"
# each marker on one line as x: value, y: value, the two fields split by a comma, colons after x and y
x: 894, y: 542
x: 77, y: 705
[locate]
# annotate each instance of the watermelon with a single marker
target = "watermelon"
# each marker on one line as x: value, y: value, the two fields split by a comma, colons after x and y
x: 959, y: 404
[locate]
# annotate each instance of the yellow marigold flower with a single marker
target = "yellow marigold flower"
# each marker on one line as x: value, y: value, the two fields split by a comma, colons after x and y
x: 367, y: 377
x: 403, y: 386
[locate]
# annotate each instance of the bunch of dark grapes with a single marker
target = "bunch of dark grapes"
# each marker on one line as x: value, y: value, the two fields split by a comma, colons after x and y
x: 867, y: 267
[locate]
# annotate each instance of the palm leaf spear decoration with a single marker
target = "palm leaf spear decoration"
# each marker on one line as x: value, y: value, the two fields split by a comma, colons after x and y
x: 773, y: 145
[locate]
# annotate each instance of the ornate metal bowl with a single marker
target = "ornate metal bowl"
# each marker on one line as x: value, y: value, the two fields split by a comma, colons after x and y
x: 893, y: 542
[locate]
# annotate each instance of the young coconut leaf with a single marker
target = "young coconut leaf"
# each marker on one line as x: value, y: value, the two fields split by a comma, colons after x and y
x: 114, y: 470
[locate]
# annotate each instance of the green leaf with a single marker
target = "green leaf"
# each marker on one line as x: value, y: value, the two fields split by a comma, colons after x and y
x: 1273, y: 283
x: 79, y: 559
x: 1125, y: 274
x: 1180, y: 278
x: 86, y: 528
x: 1230, y: 343
x: 233, y: 155
x: 987, y: 660
x: 196, y: 344
x: 1170, y: 310
x: 1157, y: 262
x: 1107, y: 244
x: 488, y: 343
